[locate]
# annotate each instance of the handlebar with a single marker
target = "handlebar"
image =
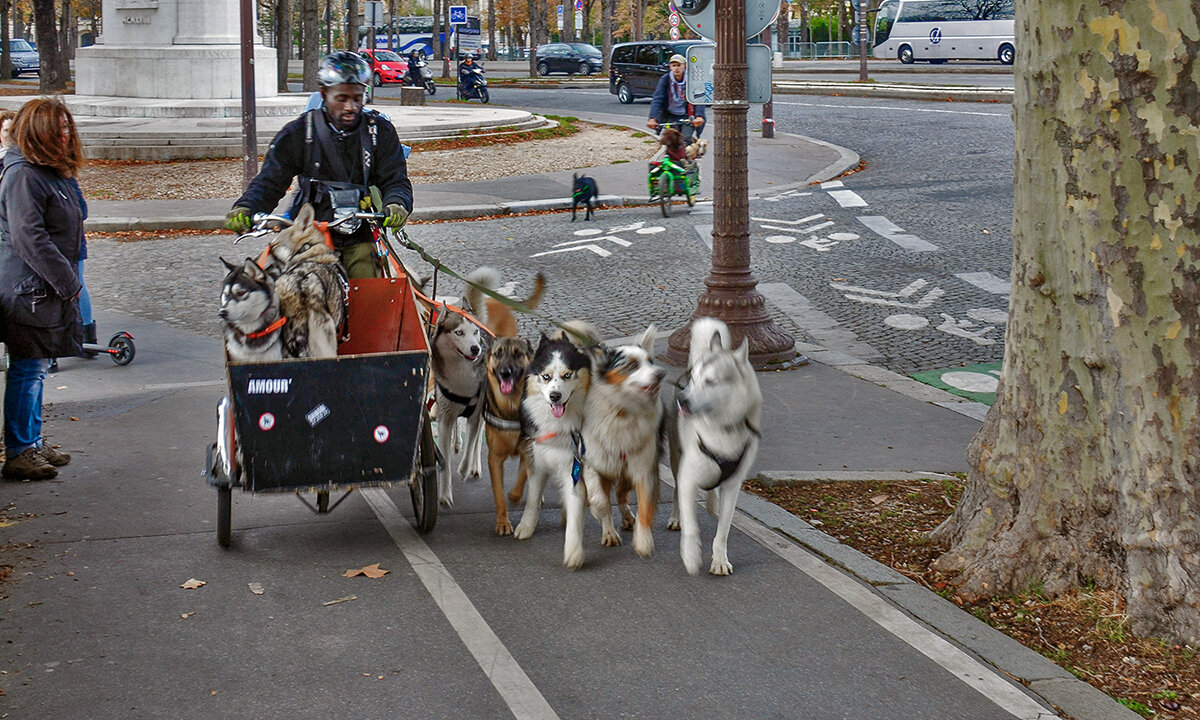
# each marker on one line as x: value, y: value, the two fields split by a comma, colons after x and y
x: 262, y: 223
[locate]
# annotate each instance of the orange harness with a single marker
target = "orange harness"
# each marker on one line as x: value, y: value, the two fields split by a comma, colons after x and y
x: 268, y: 329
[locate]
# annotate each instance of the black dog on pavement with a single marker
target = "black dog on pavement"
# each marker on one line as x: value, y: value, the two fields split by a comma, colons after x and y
x: 583, y: 191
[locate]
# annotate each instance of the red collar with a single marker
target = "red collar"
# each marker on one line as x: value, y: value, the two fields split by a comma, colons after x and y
x: 268, y: 329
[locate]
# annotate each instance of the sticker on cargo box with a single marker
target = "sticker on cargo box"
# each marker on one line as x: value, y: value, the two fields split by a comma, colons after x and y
x: 382, y: 434
x: 266, y: 421
x: 317, y: 414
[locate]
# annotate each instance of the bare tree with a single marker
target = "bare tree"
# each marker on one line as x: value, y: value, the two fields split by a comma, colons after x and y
x: 310, y: 28
x: 352, y: 24
x: 283, y: 42
x: 52, y: 78
x: 1085, y: 469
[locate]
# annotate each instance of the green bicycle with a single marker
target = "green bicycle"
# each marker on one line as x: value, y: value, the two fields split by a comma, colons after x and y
x: 669, y: 178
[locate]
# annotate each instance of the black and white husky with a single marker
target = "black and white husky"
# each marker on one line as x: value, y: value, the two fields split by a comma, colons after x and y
x: 250, y: 315
x: 714, y: 438
x: 460, y: 375
x: 556, y: 389
x: 623, y: 418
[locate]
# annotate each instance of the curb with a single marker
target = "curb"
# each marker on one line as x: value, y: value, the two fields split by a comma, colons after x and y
x: 1041, y: 677
x: 894, y: 91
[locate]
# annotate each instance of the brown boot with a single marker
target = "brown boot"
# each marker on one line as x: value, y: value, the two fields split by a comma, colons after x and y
x: 54, y: 457
x: 29, y: 465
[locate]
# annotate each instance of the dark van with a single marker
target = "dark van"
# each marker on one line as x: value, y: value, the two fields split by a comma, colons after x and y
x: 635, y: 67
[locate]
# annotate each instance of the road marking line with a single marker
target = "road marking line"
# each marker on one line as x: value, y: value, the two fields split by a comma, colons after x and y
x: 889, y: 230
x: 594, y: 248
x: 956, y: 662
x: 847, y: 198
x: 987, y: 282
x: 500, y: 667
x: 610, y: 238
x: 893, y: 109
x: 801, y: 221
x: 832, y: 184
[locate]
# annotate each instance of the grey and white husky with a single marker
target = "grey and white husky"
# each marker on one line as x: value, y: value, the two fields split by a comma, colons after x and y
x: 311, y: 285
x: 460, y: 376
x: 621, y: 426
x: 713, y: 438
x: 250, y: 314
x: 552, y: 412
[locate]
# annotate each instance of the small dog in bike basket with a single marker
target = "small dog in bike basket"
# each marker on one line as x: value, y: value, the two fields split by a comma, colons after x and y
x: 673, y: 146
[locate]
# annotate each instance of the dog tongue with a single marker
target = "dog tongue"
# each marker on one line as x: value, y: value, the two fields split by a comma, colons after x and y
x: 506, y: 386
x: 557, y: 409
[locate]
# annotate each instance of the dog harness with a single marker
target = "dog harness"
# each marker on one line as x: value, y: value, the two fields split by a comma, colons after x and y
x: 578, y: 449
x: 469, y: 402
x: 500, y: 423
x: 727, y: 466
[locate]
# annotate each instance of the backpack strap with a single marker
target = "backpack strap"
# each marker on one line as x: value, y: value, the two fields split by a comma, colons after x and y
x: 321, y: 126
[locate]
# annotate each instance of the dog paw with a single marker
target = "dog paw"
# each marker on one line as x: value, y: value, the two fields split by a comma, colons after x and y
x: 643, y: 542
x: 673, y: 524
x: 628, y: 521
x: 473, y: 476
x: 523, y: 532
x: 504, y: 527
x: 573, y: 557
x: 721, y: 566
x: 610, y: 539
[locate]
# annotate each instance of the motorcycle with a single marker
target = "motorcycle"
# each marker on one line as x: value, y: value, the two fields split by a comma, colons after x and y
x: 472, y: 83
x: 425, y: 77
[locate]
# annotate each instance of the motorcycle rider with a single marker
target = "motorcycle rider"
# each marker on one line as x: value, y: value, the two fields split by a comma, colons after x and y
x: 466, y: 74
x: 413, y: 78
x: 337, y: 152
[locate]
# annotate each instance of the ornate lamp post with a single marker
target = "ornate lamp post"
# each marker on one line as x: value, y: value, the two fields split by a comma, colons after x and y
x: 732, y: 291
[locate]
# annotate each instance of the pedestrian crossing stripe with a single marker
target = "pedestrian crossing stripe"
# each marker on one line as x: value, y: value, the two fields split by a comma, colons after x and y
x: 974, y: 382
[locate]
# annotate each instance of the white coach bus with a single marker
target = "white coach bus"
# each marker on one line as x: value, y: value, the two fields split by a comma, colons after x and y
x: 941, y: 30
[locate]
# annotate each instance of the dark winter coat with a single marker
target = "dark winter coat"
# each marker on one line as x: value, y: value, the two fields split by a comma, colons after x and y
x: 293, y: 152
x: 658, y: 103
x: 41, y: 231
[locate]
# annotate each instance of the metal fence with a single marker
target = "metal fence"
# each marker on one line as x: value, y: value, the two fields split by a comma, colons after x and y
x: 809, y: 50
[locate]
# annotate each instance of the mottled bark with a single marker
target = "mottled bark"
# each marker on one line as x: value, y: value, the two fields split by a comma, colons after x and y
x: 283, y: 42
x: 1086, y: 468
x: 51, y: 77
x: 352, y: 24
x: 608, y: 8
x: 311, y: 47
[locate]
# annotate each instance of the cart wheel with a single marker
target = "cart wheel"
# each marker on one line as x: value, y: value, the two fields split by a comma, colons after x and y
x: 124, y: 347
x: 322, y: 501
x: 224, y: 514
x: 664, y: 194
x: 423, y: 484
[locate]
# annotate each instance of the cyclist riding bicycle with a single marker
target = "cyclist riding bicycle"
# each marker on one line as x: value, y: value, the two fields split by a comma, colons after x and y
x: 670, y: 104
x: 337, y: 152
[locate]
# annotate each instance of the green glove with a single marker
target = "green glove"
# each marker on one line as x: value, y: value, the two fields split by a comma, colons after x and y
x: 238, y: 220
x: 396, y: 216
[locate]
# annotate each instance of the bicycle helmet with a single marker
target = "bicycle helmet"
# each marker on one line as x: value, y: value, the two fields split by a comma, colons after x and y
x: 343, y: 67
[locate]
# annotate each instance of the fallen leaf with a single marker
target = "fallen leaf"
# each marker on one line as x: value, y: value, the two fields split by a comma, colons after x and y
x: 879, y: 499
x: 74, y: 419
x: 371, y: 571
x: 986, y: 232
x: 192, y: 584
x: 348, y: 598
x: 256, y: 588
x: 185, y: 616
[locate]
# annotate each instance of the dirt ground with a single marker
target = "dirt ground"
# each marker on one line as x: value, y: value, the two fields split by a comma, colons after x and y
x: 1085, y: 632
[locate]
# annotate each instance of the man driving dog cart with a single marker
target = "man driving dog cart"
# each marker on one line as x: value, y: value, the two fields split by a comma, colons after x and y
x: 670, y: 105
x: 336, y: 152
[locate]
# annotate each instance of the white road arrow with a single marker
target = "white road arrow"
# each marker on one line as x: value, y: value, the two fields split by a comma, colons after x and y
x: 594, y: 248
x: 892, y: 299
x: 611, y: 238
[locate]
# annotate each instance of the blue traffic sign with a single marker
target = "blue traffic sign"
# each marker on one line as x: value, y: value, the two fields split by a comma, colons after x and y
x: 458, y: 14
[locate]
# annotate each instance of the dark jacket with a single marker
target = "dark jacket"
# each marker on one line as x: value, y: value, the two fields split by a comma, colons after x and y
x: 289, y: 155
x: 41, y: 231
x: 658, y: 103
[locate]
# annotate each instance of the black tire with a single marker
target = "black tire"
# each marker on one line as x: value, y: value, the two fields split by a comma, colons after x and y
x: 691, y: 198
x: 664, y: 194
x: 1007, y: 54
x: 543, y: 69
x: 16, y: 73
x: 125, y: 349
x: 423, y: 485
x: 905, y: 54
x: 624, y: 94
x: 377, y: 80
x: 224, y: 515
x: 483, y: 94
x: 585, y: 69
x: 431, y: 88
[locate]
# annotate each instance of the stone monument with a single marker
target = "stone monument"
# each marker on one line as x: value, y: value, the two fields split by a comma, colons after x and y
x: 171, y: 49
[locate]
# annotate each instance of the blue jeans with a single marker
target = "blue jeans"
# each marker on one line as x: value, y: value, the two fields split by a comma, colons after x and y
x: 23, y: 404
x: 85, y: 300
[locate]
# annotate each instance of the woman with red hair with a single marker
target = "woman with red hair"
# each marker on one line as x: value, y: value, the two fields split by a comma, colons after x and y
x: 41, y: 231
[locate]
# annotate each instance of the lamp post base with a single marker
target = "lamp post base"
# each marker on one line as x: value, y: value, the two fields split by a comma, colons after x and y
x: 744, y: 311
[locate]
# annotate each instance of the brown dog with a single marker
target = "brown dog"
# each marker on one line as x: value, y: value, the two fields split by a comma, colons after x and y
x: 507, y: 363
x: 494, y: 314
x: 674, y: 144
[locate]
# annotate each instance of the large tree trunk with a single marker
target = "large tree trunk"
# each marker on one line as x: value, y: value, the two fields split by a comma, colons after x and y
x: 533, y: 36
x: 1086, y: 468
x: 491, y: 54
x: 66, y: 39
x: 5, y: 55
x: 637, y: 19
x: 568, y: 31
x: 52, y: 78
x: 310, y: 28
x: 283, y: 41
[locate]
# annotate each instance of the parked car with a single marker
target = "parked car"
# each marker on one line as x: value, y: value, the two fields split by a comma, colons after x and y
x: 387, y: 66
x: 24, y: 57
x: 569, y: 58
x: 635, y: 67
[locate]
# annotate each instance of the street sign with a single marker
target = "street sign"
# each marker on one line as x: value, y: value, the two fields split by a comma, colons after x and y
x: 560, y: 17
x: 373, y: 12
x: 701, y: 16
x: 578, y: 21
x: 674, y: 33
x: 579, y: 5
x: 700, y: 83
x: 458, y: 14
x: 673, y: 18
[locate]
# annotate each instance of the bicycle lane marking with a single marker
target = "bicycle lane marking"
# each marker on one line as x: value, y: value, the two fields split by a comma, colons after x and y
x: 497, y: 663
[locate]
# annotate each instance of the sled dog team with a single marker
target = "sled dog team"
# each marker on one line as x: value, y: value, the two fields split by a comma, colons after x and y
x: 583, y: 417
x: 590, y: 420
